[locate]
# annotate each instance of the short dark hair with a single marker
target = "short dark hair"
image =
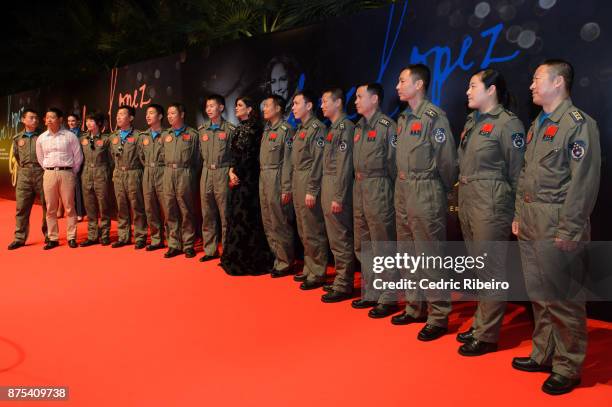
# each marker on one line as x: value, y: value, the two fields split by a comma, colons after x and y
x: 55, y: 110
x: 158, y: 108
x: 75, y: 115
x: 278, y: 101
x: 308, y: 97
x: 217, y: 98
x: 336, y: 93
x: 178, y: 106
x: 419, y: 72
x: 375, y: 88
x: 562, y: 68
x: 129, y: 108
x: 96, y: 117
x: 28, y: 110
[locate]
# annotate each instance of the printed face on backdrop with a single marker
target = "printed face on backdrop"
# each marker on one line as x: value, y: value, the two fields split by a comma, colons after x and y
x: 52, y: 121
x: 300, y: 107
x: 242, y: 110
x: 329, y: 106
x: 213, y: 109
x: 545, y: 85
x: 30, y: 121
x: 175, y: 118
x: 479, y: 96
x: 72, y: 122
x: 124, y: 119
x: 270, y: 109
x: 152, y: 117
x: 365, y: 102
x: 406, y: 87
x: 279, y: 81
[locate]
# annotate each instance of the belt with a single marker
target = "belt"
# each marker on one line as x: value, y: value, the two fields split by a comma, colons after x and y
x: 360, y: 175
x: 175, y: 166
x: 216, y: 166
x: 153, y: 165
x: 330, y: 173
x: 466, y: 179
x: 415, y: 175
x: 58, y: 168
x: 270, y: 166
x: 125, y: 168
x: 527, y: 197
x: 93, y: 165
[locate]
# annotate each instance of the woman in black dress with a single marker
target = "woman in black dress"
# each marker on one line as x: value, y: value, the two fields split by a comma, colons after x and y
x: 247, y: 251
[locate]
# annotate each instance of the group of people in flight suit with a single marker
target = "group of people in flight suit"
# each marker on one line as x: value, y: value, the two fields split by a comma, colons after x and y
x: 373, y: 180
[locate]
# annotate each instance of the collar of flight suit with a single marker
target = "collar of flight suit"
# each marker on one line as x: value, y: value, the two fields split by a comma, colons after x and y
x: 373, y: 120
x: 307, y: 123
x: 558, y: 113
x: 420, y: 110
x: 335, y: 124
x: 271, y: 126
x: 210, y: 124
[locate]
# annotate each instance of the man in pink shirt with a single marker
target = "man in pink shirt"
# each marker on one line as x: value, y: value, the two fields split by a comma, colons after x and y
x: 58, y: 151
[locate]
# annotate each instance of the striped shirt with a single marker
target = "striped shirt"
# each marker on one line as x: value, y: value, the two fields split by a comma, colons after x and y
x: 61, y: 149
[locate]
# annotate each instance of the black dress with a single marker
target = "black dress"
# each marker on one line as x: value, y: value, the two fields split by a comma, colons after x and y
x: 247, y: 251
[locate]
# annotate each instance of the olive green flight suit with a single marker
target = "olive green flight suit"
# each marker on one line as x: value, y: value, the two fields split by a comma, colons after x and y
x: 215, y: 149
x: 29, y: 184
x: 307, y: 160
x: 127, y: 180
x: 338, y: 186
x: 556, y: 194
x: 427, y: 171
x: 275, y: 176
x: 491, y: 155
x: 152, y: 158
x: 374, y: 149
x: 96, y: 184
x: 181, y: 153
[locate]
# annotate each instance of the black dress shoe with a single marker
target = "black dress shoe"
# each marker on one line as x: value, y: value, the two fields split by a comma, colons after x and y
x: 52, y: 244
x: 557, y: 384
x: 119, y: 243
x: 300, y: 277
x: 140, y: 245
x: 405, y: 319
x: 105, y: 242
x: 431, y: 332
x: 529, y: 365
x: 87, y: 243
x: 280, y: 273
x: 465, y: 337
x: 153, y: 247
x: 172, y: 252
x: 15, y: 245
x: 73, y: 244
x: 311, y: 285
x: 383, y: 310
x: 362, y: 304
x: 189, y: 253
x: 207, y: 257
x: 336, y: 296
x: 46, y: 239
x: 477, y: 348
x: 328, y: 288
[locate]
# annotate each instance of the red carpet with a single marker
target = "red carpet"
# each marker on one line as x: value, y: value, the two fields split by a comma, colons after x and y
x: 128, y: 328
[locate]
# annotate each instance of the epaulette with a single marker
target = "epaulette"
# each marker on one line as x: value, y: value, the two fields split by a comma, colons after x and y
x: 577, y: 116
x: 341, y: 126
x: 283, y: 127
x: 384, y: 122
x: 431, y: 113
x: 231, y: 127
x: 315, y: 125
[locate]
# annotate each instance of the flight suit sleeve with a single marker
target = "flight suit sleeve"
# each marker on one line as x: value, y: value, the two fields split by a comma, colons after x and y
x: 584, y: 154
x: 196, y: 154
x: 16, y: 151
x: 513, y: 145
x: 445, y: 152
x: 141, y: 155
x: 344, y: 164
x: 287, y: 170
x: 392, y: 150
x: 316, y: 143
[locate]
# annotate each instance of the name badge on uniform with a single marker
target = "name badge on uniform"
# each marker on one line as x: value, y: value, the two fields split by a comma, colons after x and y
x: 550, y: 132
x: 204, y: 137
x: 21, y: 143
x: 272, y: 137
x: 486, y: 129
x: 84, y: 142
x: 330, y: 137
x: 99, y: 143
x: 302, y: 135
x: 116, y: 140
x: 145, y: 142
x: 222, y: 135
x: 371, y: 135
x: 130, y: 140
x: 186, y: 137
x: 416, y: 128
x: 168, y: 139
x: 356, y: 137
